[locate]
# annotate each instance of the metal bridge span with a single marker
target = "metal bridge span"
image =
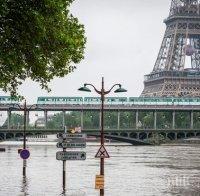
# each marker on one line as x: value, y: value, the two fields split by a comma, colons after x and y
x: 133, y: 136
x: 135, y: 132
x: 83, y: 107
x: 80, y: 107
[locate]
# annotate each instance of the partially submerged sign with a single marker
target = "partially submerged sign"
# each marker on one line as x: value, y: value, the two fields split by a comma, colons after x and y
x: 71, y: 136
x: 102, y: 153
x: 70, y: 155
x: 71, y: 144
x: 75, y: 140
x: 24, y: 154
x: 99, y: 182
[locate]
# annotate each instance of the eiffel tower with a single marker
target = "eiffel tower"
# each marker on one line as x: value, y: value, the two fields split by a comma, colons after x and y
x: 176, y: 72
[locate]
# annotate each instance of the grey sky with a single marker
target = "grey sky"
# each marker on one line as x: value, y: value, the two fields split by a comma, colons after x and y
x: 123, y: 40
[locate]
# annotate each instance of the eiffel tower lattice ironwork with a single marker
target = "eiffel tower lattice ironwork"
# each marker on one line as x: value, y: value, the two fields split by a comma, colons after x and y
x: 176, y: 72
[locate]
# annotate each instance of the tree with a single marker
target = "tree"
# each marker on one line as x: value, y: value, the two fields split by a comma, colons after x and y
x: 40, y: 40
x: 16, y: 121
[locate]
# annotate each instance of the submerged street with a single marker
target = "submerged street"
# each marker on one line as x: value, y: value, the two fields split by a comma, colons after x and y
x: 139, y: 171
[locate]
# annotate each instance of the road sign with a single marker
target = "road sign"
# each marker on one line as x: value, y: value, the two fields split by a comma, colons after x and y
x: 99, y: 182
x: 71, y: 136
x: 76, y: 144
x: 24, y: 154
x: 70, y: 155
x: 68, y: 140
x: 102, y: 153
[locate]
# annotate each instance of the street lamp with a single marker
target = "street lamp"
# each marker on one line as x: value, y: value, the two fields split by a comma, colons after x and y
x: 25, y: 109
x: 102, y: 93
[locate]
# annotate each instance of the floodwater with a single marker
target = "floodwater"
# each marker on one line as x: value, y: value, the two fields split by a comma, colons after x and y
x: 131, y: 171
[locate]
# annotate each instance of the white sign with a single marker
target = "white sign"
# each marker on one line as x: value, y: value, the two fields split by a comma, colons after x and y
x: 102, y: 153
x: 70, y: 155
x: 71, y: 144
x: 74, y: 140
x: 71, y: 136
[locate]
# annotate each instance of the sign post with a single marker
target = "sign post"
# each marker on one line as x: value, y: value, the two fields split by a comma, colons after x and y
x: 64, y: 165
x: 70, y: 141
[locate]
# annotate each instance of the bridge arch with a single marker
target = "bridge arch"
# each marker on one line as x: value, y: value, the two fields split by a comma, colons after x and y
x: 19, y: 135
x: 198, y: 134
x: 171, y: 136
x: 9, y: 135
x: 114, y: 134
x: 29, y: 134
x: 163, y: 134
x: 134, y: 135
x: 2, y: 136
x: 190, y: 134
x: 124, y: 134
x: 143, y: 135
x: 181, y: 135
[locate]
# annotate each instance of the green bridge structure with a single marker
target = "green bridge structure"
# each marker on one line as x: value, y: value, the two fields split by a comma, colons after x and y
x: 130, y: 129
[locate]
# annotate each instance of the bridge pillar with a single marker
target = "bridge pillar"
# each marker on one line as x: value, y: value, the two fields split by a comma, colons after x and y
x: 185, y: 134
x: 176, y: 136
x: 8, y: 118
x: 63, y: 119
x: 138, y: 135
x: 155, y: 120
x: 173, y: 119
x: 191, y: 120
x: 118, y: 120
x: 45, y: 119
x: 136, y: 119
x: 82, y: 119
x: 147, y: 135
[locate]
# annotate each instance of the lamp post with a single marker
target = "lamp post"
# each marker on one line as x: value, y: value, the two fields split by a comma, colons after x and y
x: 102, y: 93
x: 25, y: 109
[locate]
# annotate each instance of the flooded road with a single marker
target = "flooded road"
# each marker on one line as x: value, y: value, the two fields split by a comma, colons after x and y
x: 131, y: 171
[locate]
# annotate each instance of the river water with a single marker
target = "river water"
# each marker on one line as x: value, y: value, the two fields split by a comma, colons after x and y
x: 131, y: 171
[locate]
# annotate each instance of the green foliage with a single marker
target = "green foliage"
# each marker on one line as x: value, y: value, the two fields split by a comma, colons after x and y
x: 39, y: 39
x: 110, y: 119
x: 197, y: 120
x: 183, y: 120
x: 127, y: 120
x: 16, y: 121
x: 147, y: 119
x: 164, y: 120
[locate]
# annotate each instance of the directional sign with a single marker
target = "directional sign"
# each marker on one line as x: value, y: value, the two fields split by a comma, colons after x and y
x: 102, y: 153
x: 71, y: 136
x: 24, y: 154
x: 99, y: 182
x: 75, y: 140
x: 64, y: 144
x: 70, y: 155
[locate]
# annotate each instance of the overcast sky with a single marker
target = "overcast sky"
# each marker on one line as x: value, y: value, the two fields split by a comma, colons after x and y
x: 123, y: 40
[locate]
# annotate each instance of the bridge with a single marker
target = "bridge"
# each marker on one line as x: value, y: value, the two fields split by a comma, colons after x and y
x: 132, y: 126
x: 125, y: 135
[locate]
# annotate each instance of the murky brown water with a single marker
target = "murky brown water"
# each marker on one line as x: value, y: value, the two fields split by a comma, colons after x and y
x: 131, y: 171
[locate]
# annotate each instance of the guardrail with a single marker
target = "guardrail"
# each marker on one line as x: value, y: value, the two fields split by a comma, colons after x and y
x: 77, y: 107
